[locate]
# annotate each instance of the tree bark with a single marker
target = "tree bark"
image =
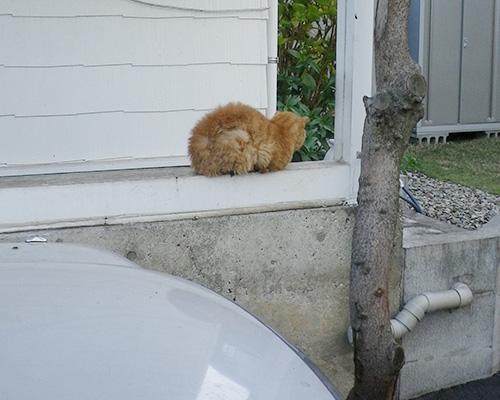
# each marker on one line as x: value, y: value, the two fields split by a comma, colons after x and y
x: 391, y: 115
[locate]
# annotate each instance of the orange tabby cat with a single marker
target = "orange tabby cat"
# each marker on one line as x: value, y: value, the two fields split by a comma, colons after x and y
x: 236, y: 139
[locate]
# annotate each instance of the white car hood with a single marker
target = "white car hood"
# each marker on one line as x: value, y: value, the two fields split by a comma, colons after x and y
x: 80, y: 323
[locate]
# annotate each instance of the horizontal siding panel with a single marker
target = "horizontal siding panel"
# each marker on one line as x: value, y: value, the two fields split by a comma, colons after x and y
x: 163, y: 8
x: 95, y: 137
x: 77, y: 90
x: 117, y: 40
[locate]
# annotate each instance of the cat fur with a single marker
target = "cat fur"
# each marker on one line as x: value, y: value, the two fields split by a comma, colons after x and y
x: 237, y: 139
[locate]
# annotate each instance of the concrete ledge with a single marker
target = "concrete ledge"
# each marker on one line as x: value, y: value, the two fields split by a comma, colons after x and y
x: 420, y: 230
x: 93, y: 198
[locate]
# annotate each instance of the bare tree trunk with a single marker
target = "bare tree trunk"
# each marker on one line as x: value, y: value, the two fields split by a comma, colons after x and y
x: 391, y: 115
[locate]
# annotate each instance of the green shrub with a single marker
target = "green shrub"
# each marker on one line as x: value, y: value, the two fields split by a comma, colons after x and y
x: 306, y: 69
x: 409, y: 163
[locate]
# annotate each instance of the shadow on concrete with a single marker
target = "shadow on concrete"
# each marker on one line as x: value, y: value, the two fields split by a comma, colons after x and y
x: 484, y: 389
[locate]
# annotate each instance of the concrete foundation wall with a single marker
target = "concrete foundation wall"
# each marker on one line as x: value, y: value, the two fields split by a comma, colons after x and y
x: 449, y: 348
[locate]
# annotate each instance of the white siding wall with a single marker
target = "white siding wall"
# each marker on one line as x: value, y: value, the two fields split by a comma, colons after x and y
x: 116, y: 79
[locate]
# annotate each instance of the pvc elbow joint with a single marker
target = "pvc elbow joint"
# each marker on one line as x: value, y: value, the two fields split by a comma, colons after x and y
x: 413, y: 312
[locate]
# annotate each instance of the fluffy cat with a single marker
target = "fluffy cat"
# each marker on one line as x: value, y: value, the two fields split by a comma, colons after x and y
x: 237, y: 139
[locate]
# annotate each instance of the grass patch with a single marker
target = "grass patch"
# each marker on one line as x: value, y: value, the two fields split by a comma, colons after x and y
x: 473, y: 163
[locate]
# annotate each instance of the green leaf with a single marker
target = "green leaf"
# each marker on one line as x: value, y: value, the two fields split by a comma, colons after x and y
x: 308, y: 81
x: 282, y: 41
x: 312, y: 13
x: 299, y: 8
x: 294, y: 53
x: 314, y: 66
x: 310, y: 141
x: 324, y: 3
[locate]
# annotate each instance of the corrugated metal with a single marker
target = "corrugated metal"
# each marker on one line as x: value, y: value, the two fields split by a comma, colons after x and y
x: 93, y: 80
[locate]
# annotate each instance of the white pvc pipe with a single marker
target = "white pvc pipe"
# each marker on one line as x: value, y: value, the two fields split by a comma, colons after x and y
x: 413, y: 312
x: 272, y: 58
x: 458, y: 296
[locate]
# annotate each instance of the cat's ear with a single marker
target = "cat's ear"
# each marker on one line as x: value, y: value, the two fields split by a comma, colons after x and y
x: 304, y: 120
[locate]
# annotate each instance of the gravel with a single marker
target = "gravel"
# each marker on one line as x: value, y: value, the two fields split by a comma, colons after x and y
x: 456, y: 204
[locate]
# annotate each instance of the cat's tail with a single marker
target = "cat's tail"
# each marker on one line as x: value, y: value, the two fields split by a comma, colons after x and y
x: 227, y: 152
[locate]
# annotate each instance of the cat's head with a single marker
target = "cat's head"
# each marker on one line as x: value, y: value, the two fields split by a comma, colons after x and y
x: 293, y: 125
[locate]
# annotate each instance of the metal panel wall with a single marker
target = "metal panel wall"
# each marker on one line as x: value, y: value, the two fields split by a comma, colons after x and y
x: 459, y: 51
x: 477, y: 61
x: 442, y: 64
x: 93, y: 80
x: 495, y: 90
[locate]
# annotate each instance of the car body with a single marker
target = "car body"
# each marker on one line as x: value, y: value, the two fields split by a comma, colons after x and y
x: 82, y: 323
